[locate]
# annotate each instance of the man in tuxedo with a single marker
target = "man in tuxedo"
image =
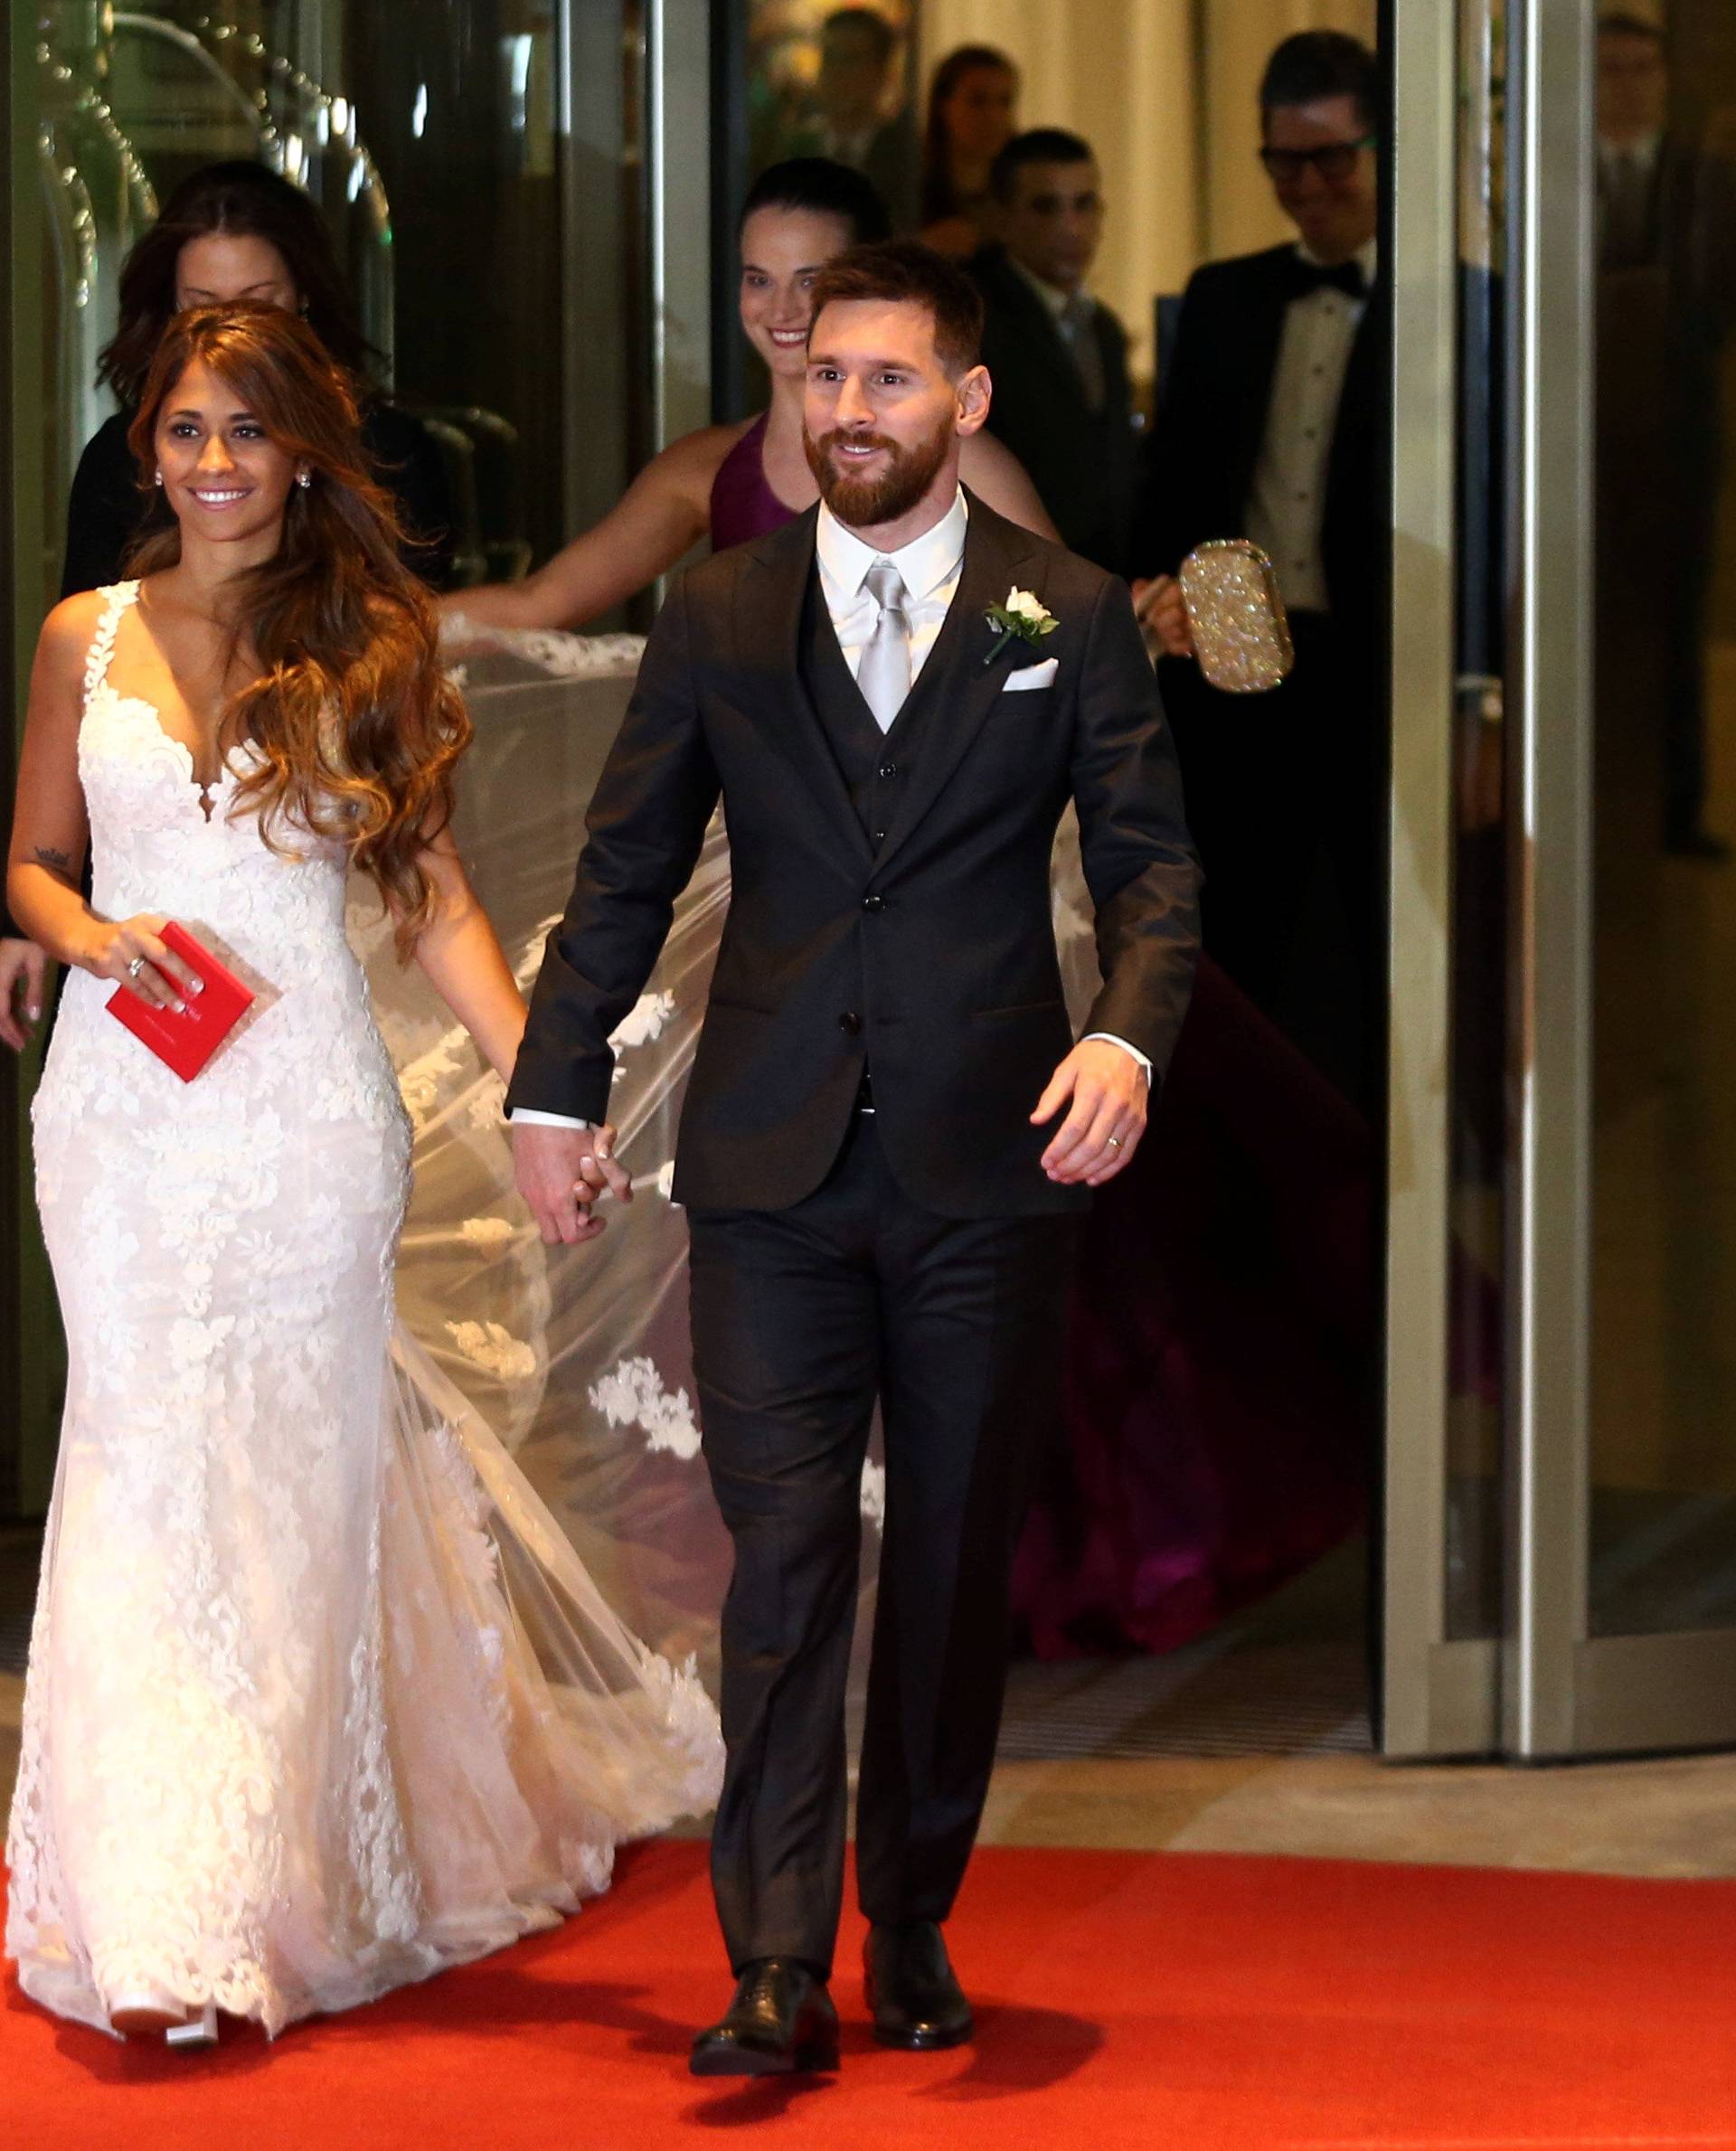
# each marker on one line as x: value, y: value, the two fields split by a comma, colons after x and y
x: 1270, y: 426
x: 1057, y: 357
x: 889, y: 1132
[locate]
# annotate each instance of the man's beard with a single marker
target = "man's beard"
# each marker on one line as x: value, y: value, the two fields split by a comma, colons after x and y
x: 864, y: 502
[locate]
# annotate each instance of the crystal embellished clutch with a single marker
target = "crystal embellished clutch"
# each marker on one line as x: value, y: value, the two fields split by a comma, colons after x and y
x: 1241, y: 635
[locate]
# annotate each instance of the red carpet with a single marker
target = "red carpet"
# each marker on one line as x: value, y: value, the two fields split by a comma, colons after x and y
x: 1203, y: 2004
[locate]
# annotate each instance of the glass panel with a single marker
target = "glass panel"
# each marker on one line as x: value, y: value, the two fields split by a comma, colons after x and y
x: 1663, y: 1508
x: 1473, y: 1550
x: 428, y: 138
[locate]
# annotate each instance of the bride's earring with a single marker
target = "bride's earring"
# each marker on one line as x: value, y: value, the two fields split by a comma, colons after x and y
x: 159, y: 474
x: 304, y: 479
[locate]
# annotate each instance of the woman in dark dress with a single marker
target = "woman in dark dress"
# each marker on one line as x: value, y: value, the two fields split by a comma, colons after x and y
x: 237, y: 232
x: 973, y: 115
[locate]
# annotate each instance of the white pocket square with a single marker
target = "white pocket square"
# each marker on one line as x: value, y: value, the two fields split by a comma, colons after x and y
x: 1031, y: 675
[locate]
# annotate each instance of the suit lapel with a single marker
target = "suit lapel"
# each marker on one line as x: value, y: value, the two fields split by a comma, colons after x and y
x: 768, y: 627
x: 1041, y: 337
x: 966, y: 689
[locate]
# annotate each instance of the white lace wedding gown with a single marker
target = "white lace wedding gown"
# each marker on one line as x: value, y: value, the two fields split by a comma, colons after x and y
x: 320, y: 1699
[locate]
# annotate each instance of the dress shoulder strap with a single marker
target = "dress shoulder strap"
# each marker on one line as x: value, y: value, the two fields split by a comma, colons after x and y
x: 118, y: 597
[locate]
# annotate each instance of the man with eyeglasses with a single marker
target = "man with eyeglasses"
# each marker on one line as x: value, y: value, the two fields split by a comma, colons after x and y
x: 1270, y: 426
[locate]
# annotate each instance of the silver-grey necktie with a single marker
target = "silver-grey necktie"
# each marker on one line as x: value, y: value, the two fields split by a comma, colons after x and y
x: 885, y: 673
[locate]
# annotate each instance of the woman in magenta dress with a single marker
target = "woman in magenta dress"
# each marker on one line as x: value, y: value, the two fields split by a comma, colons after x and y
x: 731, y: 482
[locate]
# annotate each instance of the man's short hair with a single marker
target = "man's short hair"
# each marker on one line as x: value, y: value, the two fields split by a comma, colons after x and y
x: 872, y: 25
x: 1315, y: 64
x: 1038, y: 146
x: 902, y: 271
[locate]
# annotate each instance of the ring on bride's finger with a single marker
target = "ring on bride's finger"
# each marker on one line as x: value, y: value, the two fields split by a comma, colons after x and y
x: 1115, y: 1141
x: 136, y: 967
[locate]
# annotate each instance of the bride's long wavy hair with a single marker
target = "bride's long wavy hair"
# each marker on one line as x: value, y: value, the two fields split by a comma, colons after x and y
x: 357, y: 726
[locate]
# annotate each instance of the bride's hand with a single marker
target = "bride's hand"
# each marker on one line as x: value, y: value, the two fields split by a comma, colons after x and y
x: 561, y: 1172
x: 133, y: 955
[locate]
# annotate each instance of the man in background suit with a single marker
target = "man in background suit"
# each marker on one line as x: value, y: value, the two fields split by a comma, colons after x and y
x: 1057, y: 357
x: 889, y: 1130
x: 1667, y: 251
x: 1270, y: 427
x: 853, y: 96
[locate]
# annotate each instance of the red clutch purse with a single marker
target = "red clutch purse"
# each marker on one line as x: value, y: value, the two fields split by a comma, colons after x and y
x: 186, y: 1043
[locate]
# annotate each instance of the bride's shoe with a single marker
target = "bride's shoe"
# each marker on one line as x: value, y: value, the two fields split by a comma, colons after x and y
x: 145, y: 2011
x: 197, y: 2030
x: 150, y: 2010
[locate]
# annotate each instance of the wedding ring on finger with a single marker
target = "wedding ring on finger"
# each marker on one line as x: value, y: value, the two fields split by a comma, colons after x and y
x: 1115, y: 1141
x: 136, y: 967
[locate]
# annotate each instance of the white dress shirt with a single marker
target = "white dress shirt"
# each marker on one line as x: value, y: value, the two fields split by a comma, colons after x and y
x: 930, y: 567
x: 1288, y: 502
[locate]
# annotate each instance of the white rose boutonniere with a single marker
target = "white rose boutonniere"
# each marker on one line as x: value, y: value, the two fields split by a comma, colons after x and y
x: 1021, y: 620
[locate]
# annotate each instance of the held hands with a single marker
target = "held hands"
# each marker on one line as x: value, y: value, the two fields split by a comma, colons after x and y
x: 134, y: 955
x: 561, y: 1172
x: 21, y: 964
x: 1160, y: 609
x: 1108, y: 1091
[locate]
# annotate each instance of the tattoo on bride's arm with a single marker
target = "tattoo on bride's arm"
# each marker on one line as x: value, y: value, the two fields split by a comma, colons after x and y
x: 46, y: 855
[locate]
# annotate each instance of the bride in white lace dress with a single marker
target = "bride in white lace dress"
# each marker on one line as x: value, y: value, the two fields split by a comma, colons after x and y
x: 320, y: 1700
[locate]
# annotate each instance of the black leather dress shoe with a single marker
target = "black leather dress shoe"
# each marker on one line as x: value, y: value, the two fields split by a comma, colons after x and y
x: 913, y: 1990
x: 782, y: 2020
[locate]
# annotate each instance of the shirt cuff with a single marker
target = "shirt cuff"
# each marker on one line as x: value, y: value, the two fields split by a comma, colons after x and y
x: 1109, y: 1038
x: 527, y: 1117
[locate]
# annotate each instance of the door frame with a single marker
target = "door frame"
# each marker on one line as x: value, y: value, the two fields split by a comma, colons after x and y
x: 1437, y: 1694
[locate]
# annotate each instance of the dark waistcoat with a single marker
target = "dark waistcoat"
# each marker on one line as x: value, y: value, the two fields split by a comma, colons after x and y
x: 876, y: 766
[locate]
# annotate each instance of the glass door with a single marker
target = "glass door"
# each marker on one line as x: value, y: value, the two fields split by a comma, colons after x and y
x: 1624, y: 1233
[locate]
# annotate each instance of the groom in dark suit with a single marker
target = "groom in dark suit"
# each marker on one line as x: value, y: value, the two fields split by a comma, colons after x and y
x: 888, y: 1131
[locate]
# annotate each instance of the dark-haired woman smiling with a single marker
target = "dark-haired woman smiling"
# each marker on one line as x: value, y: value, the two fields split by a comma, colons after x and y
x: 736, y: 482
x: 230, y: 233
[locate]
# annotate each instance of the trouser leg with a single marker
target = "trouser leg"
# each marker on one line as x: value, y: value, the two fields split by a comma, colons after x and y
x: 785, y: 1360
x: 971, y: 1346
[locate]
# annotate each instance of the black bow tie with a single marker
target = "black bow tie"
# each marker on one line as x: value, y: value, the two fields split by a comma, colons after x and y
x: 1303, y: 276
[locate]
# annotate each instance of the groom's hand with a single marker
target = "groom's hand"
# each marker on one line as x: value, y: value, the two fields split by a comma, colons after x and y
x: 561, y: 1172
x: 1110, y: 1092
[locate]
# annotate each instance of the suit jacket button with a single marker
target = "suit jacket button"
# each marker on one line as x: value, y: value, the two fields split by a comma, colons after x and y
x: 850, y: 1023
x: 887, y: 770
x: 874, y: 903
